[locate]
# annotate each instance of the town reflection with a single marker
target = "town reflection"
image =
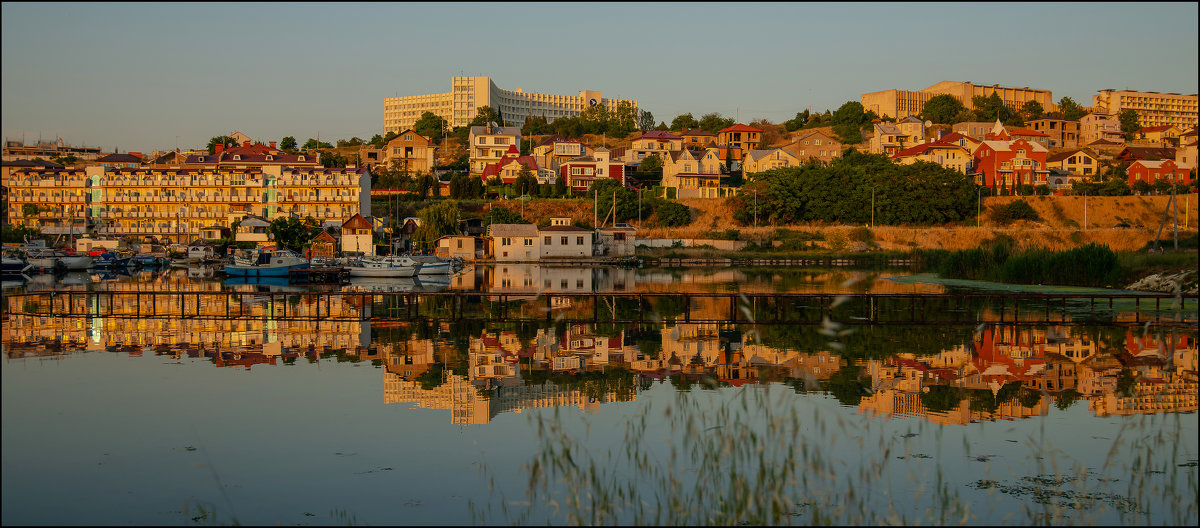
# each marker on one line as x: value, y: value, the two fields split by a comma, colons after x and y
x: 477, y: 370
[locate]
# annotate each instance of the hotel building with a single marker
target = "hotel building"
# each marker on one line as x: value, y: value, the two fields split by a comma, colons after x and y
x: 902, y: 103
x: 1153, y: 108
x: 175, y: 204
x: 467, y: 94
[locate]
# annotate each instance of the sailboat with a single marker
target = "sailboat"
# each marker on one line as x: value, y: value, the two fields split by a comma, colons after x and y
x: 389, y: 266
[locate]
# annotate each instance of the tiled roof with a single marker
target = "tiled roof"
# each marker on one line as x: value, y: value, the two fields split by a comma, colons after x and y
x: 698, y: 132
x: 119, y: 158
x: 1154, y: 129
x: 1064, y: 155
x: 356, y: 222
x: 656, y: 134
x: 1151, y: 164
x: 739, y: 128
x: 923, y: 148
x: 563, y: 228
x: 955, y: 136
x: 521, y: 230
x: 33, y: 163
x: 1027, y: 132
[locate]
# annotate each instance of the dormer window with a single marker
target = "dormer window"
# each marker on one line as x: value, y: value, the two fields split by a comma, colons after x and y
x: 270, y: 157
x: 300, y: 158
x: 237, y: 157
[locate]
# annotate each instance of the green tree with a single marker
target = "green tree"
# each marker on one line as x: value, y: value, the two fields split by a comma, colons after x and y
x: 376, y: 141
x: 313, y: 144
x: 672, y: 214
x: 1032, y: 110
x: 650, y: 170
x: 798, y: 122
x: 431, y: 126
x: 526, y: 183
x: 332, y: 160
x: 28, y: 209
x: 989, y: 108
x: 712, y: 122
x: 536, y: 126
x: 425, y: 185
x: 560, y: 187
x: 1129, y: 123
x: 288, y: 143
x: 624, y: 120
x: 224, y: 141
x: 501, y: 215
x: 944, y: 109
x: 438, y: 220
x: 595, y: 119
x: 645, y: 120
x: 293, y: 233
x: 849, y: 120
x: 484, y: 115
x: 1069, y: 109
x: 684, y: 122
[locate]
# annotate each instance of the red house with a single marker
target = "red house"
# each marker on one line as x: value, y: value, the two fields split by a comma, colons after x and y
x: 509, y: 166
x: 1151, y: 171
x: 581, y: 172
x: 1006, y: 165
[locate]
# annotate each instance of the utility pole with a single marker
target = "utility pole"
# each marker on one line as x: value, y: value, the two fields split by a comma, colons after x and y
x: 872, y: 207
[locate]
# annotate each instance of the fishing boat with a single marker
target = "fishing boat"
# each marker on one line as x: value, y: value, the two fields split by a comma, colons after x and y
x: 390, y: 266
x: 110, y: 260
x: 265, y: 263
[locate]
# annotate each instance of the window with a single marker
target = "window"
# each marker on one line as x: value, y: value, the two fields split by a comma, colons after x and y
x: 460, y: 243
x: 506, y: 241
x: 563, y: 240
x: 546, y: 240
x: 579, y: 240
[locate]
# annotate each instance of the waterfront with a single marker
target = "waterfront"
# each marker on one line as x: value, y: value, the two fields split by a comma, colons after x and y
x: 273, y: 419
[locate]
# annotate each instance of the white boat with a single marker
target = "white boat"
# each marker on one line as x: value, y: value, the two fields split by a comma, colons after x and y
x: 390, y: 266
x: 50, y: 259
x: 14, y: 264
x: 431, y: 265
x: 265, y: 263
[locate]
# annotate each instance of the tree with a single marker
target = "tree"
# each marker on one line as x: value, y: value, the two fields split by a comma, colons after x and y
x: 798, y: 122
x: 1032, y: 110
x: 645, y: 120
x: 672, y: 214
x: 684, y: 122
x: 331, y: 160
x: 992, y: 107
x: 313, y: 144
x: 425, y: 185
x: 526, y: 182
x: 293, y: 233
x: 560, y: 187
x: 431, y: 126
x: 536, y: 126
x: 28, y: 209
x: 483, y: 116
x: 501, y: 215
x: 1129, y: 123
x: 848, y: 121
x: 437, y: 221
x: 1070, y: 110
x: 224, y: 141
x: 288, y: 143
x: 624, y: 120
x: 650, y: 170
x: 376, y: 141
x: 712, y: 122
x: 943, y: 109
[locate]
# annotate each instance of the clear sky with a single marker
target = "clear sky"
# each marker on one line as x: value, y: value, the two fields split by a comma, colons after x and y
x: 145, y: 76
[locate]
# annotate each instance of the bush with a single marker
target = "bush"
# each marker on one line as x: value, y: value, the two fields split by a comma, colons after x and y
x: 1013, y: 211
x: 673, y: 214
x: 861, y: 234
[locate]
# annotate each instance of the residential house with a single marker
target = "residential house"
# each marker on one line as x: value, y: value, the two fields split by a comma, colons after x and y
x: 509, y: 166
x: 358, y: 237
x: 1158, y: 136
x: 580, y: 173
x: 975, y: 129
x: 1061, y: 133
x: 1006, y: 165
x: 765, y: 160
x: 466, y: 247
x: 250, y: 156
x: 561, y: 239
x: 252, y: 229
x: 1185, y: 155
x: 740, y: 137
x: 888, y: 139
x: 694, y: 185
x: 410, y: 152
x: 706, y: 161
x: 947, y: 155
x: 962, y: 140
x: 371, y: 157
x: 653, y: 142
x: 1093, y: 127
x: 513, y: 242
x: 1079, y: 162
x: 1106, y: 146
x: 823, y: 147
x: 487, y: 144
x: 1151, y: 171
x: 912, y: 127
x: 698, y: 137
x: 1032, y: 136
x: 553, y: 150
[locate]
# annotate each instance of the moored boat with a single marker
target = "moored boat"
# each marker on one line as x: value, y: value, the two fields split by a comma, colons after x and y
x: 14, y: 264
x: 265, y: 263
x: 431, y: 265
x: 390, y: 266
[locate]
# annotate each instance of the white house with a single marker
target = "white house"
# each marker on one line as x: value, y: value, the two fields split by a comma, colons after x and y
x: 561, y: 239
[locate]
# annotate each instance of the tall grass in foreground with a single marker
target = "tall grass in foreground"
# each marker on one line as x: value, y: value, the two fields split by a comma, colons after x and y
x: 998, y: 260
x: 753, y: 459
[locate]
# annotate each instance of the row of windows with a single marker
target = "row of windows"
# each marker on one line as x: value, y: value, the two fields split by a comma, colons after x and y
x: 507, y: 241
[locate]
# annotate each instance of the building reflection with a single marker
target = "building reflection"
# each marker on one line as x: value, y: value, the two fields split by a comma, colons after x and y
x: 479, y: 370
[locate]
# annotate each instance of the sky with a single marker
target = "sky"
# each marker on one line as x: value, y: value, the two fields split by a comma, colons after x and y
x: 147, y: 76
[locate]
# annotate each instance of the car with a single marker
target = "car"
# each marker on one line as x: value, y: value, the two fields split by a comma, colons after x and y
x: 1123, y: 225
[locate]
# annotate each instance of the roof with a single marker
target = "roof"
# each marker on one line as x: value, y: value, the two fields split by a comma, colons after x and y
x: 910, y: 119
x: 1027, y: 132
x: 324, y: 236
x: 925, y: 147
x: 1155, y: 129
x: 253, y: 221
x: 1152, y: 164
x: 814, y: 133
x: 1105, y: 142
x: 955, y: 136
x: 758, y: 154
x: 697, y: 132
x: 119, y: 158
x: 1147, y: 153
x: 1065, y: 155
x: 739, y: 128
x: 521, y: 230
x: 563, y: 228
x: 495, y: 131
x: 656, y: 134
x: 33, y: 163
x: 357, y: 222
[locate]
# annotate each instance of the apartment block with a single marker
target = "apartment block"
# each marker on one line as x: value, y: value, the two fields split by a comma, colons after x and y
x: 1153, y: 108
x: 467, y: 94
x: 1060, y: 133
x: 1094, y: 127
x: 901, y: 103
x: 488, y: 144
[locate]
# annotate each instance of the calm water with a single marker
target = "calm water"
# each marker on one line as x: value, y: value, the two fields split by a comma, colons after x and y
x: 264, y: 419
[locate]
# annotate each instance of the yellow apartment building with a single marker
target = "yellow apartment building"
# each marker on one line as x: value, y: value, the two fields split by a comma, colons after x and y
x: 1153, y: 108
x: 901, y: 103
x: 175, y: 205
x: 488, y: 144
x: 467, y: 94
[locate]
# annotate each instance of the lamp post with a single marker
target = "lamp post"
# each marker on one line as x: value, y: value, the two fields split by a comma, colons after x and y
x: 872, y: 206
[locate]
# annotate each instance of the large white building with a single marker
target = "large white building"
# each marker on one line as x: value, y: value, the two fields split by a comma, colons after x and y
x: 467, y: 94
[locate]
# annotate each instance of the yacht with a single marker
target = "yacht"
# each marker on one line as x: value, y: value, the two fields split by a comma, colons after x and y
x: 265, y: 263
x: 431, y: 265
x: 390, y: 266
x: 14, y: 264
x: 52, y: 259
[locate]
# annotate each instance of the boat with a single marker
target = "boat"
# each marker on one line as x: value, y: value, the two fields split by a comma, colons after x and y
x: 14, y: 264
x: 50, y: 259
x: 265, y: 263
x: 109, y: 260
x: 390, y: 266
x: 380, y: 284
x: 150, y: 261
x: 431, y: 265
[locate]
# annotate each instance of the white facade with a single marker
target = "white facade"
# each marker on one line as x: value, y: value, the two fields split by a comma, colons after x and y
x: 467, y: 94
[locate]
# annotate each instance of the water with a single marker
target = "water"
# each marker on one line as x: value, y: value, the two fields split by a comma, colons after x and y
x: 125, y: 420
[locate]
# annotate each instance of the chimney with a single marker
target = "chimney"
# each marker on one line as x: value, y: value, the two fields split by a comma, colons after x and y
x: 245, y: 143
x: 272, y: 145
x: 219, y: 148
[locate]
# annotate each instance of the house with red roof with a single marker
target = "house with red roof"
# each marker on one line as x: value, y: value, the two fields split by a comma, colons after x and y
x: 1006, y: 165
x: 1158, y: 136
x: 357, y: 236
x: 740, y: 137
x: 580, y: 173
x: 509, y: 167
x: 941, y: 153
x: 1151, y: 171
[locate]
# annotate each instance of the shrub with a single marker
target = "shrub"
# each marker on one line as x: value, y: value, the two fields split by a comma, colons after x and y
x: 1013, y: 211
x: 673, y: 214
x: 861, y: 234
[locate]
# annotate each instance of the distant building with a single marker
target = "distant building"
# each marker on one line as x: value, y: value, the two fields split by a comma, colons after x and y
x: 1007, y: 165
x: 1152, y: 171
x: 901, y: 103
x: 767, y: 159
x: 512, y: 242
x: 1074, y: 162
x: 740, y: 137
x: 946, y: 154
x: 561, y: 239
x: 1060, y: 132
x: 410, y: 152
x: 1094, y: 127
x: 487, y: 144
x: 1153, y: 108
x: 815, y: 145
